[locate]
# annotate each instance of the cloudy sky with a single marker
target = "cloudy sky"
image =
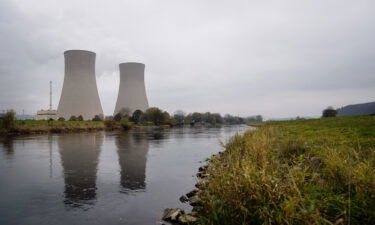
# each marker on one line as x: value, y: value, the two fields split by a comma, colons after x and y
x: 275, y: 58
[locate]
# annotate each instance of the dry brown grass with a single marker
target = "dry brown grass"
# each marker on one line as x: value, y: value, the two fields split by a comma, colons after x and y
x: 297, y: 172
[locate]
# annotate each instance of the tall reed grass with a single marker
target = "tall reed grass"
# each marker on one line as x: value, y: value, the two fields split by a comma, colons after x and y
x: 319, y: 171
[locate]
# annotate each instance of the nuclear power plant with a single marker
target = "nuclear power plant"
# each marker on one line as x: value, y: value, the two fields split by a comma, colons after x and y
x: 132, y: 91
x: 80, y: 97
x: 79, y: 94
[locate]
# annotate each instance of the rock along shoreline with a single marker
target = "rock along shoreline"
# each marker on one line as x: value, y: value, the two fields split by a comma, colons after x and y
x: 177, y: 216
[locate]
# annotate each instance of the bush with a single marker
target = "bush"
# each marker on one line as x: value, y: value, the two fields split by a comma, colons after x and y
x: 80, y: 118
x: 61, y: 119
x: 97, y: 118
x: 147, y: 123
x: 73, y: 118
x: 109, y: 123
x: 329, y: 112
x: 126, y: 124
x: 8, y: 121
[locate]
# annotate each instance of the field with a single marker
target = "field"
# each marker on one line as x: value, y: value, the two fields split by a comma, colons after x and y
x: 319, y: 171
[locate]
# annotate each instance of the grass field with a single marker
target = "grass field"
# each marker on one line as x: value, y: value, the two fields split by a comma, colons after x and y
x: 45, y: 122
x: 42, y: 126
x: 319, y: 171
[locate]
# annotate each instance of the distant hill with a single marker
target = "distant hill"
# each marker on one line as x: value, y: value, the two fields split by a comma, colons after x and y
x: 357, y: 109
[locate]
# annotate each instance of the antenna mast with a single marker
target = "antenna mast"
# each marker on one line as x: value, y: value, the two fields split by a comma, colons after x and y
x: 50, y: 95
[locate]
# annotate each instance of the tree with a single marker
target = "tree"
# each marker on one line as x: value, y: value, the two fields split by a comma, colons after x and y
x: 179, y: 116
x: 97, y: 118
x: 125, y: 112
x: 154, y: 115
x: 197, y: 117
x: 217, y: 118
x: 80, y: 118
x: 8, y: 120
x: 207, y: 118
x: 188, y: 118
x: 117, y: 117
x: 329, y: 112
x: 136, y: 117
x: 168, y: 119
x: 259, y: 118
x: 73, y: 118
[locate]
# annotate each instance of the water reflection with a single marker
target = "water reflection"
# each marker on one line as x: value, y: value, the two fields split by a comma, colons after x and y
x: 132, y: 151
x: 8, y: 145
x: 79, y: 158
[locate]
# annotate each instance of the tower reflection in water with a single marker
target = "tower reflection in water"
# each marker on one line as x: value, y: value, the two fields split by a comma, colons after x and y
x: 132, y: 151
x: 79, y: 158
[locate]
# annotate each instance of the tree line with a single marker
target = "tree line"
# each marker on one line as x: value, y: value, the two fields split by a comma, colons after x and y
x: 156, y: 116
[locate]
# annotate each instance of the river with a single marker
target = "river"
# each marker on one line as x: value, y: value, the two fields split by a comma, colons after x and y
x: 102, y: 177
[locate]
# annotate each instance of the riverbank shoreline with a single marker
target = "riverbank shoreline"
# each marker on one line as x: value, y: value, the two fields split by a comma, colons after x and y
x: 55, y: 127
x: 295, y: 172
x: 50, y: 129
x: 58, y: 129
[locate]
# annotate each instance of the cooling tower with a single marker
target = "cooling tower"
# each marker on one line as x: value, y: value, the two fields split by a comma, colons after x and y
x: 132, y: 91
x: 79, y: 94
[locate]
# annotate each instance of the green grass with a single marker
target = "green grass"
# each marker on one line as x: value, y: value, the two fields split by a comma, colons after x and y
x: 42, y: 126
x: 44, y: 122
x: 319, y: 171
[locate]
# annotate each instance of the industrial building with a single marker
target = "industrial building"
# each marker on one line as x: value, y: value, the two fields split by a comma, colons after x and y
x: 132, y: 91
x: 79, y: 94
x: 46, y: 114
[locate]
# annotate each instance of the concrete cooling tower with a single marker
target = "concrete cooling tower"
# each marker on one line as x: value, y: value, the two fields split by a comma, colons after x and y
x: 132, y: 91
x: 79, y: 94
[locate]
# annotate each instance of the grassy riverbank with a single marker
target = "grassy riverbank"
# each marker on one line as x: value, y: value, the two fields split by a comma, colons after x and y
x: 42, y: 126
x: 319, y: 171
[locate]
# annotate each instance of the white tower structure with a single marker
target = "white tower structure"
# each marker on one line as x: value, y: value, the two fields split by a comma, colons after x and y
x: 132, y: 91
x: 79, y: 94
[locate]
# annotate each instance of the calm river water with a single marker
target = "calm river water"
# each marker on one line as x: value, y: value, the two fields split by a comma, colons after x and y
x: 103, y: 177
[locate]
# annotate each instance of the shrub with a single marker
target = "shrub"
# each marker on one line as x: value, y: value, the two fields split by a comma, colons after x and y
x: 109, y: 123
x: 61, y: 119
x: 126, y: 124
x: 80, y: 118
x: 73, y: 118
x: 147, y: 123
x: 8, y: 121
x: 97, y: 118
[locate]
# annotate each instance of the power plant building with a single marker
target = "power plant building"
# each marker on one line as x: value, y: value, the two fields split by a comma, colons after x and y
x: 132, y: 91
x: 46, y: 114
x: 79, y: 94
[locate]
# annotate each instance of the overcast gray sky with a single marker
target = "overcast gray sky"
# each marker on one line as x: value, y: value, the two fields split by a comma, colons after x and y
x: 275, y: 58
